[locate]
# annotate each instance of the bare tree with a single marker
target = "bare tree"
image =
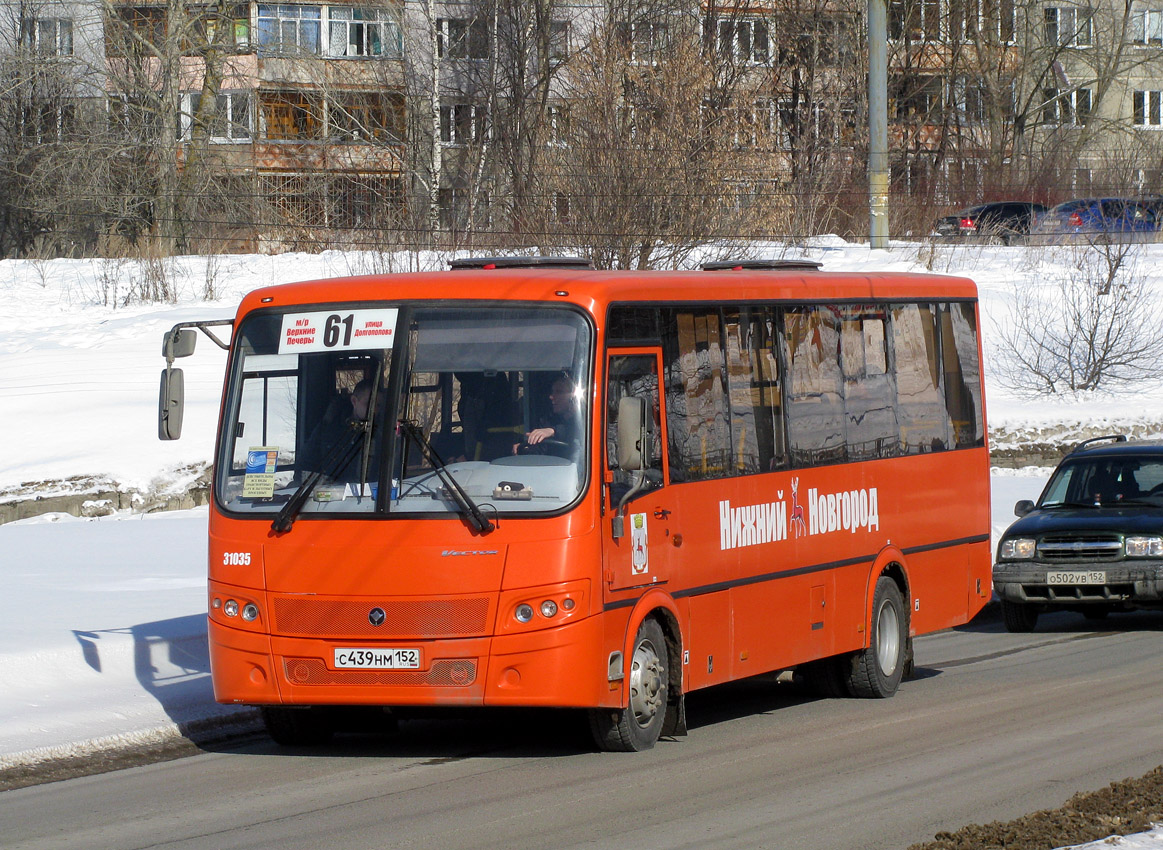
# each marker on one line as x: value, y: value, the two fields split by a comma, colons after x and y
x: 642, y: 179
x: 1080, y: 331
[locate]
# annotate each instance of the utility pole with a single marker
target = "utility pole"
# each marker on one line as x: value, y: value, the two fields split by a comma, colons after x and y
x: 878, y: 123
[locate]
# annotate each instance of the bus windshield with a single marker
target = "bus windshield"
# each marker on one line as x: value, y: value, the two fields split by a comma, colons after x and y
x: 489, y: 403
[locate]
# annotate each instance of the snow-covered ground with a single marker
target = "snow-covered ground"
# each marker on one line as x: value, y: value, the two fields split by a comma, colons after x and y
x: 102, y: 621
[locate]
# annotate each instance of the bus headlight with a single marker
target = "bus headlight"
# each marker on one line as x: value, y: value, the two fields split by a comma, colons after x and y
x: 230, y: 609
x: 1144, y: 547
x: 545, y: 607
x: 250, y: 612
x: 1017, y: 549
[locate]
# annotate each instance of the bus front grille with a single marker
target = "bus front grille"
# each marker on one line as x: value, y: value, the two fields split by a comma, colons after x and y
x: 456, y: 672
x: 342, y: 618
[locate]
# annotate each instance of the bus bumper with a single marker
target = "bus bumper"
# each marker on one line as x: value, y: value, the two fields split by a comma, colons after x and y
x: 559, y: 667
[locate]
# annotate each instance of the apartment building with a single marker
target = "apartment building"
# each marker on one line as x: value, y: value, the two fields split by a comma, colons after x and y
x: 452, y: 117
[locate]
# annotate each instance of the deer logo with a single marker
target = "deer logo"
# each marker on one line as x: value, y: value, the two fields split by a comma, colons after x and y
x: 797, y: 511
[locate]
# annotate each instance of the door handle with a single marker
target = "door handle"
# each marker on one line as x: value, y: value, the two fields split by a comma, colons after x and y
x: 661, y: 513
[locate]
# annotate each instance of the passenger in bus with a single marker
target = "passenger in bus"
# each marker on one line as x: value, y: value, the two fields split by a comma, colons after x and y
x: 344, y: 415
x: 563, y: 425
x: 489, y: 417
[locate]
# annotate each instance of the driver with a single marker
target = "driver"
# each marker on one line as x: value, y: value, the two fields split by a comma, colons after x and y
x: 564, y: 421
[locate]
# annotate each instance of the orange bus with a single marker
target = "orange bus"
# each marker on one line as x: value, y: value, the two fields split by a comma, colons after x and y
x: 526, y: 482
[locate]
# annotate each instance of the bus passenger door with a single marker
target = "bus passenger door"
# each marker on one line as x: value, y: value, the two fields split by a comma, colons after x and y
x: 641, y: 555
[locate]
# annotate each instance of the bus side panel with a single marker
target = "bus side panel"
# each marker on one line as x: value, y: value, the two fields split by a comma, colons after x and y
x: 780, y: 623
x: 778, y: 567
x: 710, y: 640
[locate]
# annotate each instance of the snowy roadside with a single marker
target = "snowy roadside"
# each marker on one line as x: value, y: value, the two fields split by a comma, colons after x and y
x: 103, y: 630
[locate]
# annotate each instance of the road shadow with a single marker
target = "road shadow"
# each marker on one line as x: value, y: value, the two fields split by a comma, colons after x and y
x: 989, y: 620
x: 171, y: 662
x: 440, y: 736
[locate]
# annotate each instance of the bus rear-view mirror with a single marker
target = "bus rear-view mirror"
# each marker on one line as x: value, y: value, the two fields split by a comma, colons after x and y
x: 178, y: 343
x: 170, y: 401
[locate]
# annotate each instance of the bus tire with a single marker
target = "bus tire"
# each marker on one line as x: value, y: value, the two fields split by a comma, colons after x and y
x: 1018, y: 617
x: 297, y: 727
x: 638, y: 726
x: 827, y: 677
x: 877, y: 670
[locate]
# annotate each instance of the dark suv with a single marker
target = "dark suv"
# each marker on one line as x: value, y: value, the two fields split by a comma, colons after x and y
x: 1093, y: 542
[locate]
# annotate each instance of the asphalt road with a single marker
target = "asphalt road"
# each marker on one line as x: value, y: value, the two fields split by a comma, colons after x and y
x: 993, y: 727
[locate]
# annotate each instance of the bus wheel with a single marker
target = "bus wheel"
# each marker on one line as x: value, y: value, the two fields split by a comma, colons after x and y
x: 877, y: 670
x: 297, y: 727
x: 1018, y: 617
x: 827, y: 677
x: 638, y: 726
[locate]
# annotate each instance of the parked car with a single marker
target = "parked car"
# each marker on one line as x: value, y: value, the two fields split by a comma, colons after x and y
x: 1004, y: 221
x: 1091, y: 219
x: 1093, y: 542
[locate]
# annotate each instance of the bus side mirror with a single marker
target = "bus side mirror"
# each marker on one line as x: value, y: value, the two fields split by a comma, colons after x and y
x: 631, y: 437
x: 170, y: 401
x: 178, y: 343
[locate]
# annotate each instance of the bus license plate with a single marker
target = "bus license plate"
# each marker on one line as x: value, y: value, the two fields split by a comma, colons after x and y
x: 1076, y: 577
x: 349, y: 658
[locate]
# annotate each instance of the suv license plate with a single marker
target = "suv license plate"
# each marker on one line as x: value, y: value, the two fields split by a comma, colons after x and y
x: 1076, y: 577
x: 349, y: 658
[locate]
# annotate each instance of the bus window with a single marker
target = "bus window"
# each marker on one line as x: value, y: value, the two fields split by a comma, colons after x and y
x: 480, y: 380
x: 924, y: 420
x: 815, y: 386
x: 696, y: 398
x: 757, y: 438
x: 869, y: 399
x: 633, y: 375
x: 962, y: 373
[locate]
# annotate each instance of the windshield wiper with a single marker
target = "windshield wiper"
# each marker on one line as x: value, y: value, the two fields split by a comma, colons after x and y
x: 337, y: 459
x: 468, y: 508
x: 1050, y: 505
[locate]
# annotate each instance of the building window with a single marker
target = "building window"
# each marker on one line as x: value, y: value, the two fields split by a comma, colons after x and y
x: 1066, y: 107
x: 462, y: 38
x: 1068, y: 26
x: 50, y: 121
x: 366, y: 116
x: 1147, y: 108
x: 462, y: 123
x: 134, y: 30
x: 971, y: 100
x: 229, y: 120
x: 47, y: 36
x: 914, y: 20
x: 915, y: 97
x: 756, y: 125
x: 744, y: 41
x: 558, y: 41
x: 561, y: 207
x: 1147, y: 26
x: 291, y: 115
x: 363, y: 32
x: 202, y: 25
x: 135, y: 116
x: 643, y: 39
x: 971, y: 20
x: 289, y: 29
x: 457, y: 204
x: 557, y: 120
